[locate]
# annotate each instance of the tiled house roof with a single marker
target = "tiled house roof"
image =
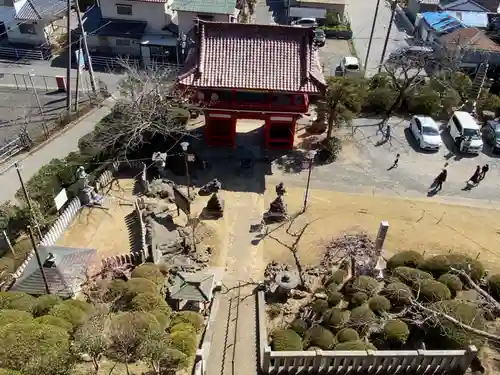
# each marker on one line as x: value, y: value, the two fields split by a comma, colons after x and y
x: 192, y: 287
x: 38, y: 9
x: 469, y: 38
x: 205, y: 6
x: 64, y: 278
x: 254, y: 57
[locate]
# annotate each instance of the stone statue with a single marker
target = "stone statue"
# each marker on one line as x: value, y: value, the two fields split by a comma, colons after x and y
x: 83, y: 178
x: 280, y: 189
x: 277, y: 210
x: 87, y: 194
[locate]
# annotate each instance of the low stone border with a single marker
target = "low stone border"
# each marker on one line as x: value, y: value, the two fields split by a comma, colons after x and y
x: 202, y: 354
x: 357, y: 361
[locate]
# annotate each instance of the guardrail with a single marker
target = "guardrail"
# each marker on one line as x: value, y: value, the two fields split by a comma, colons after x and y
x: 11, y: 149
x: 117, y: 63
x: 27, y: 54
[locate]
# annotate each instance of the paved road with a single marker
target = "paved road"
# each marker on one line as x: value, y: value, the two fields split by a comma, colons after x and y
x: 361, y: 15
x: 61, y: 146
x: 20, y: 110
x: 269, y: 12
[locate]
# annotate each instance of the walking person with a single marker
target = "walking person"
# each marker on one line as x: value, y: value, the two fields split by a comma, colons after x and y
x: 474, y: 180
x: 395, y: 164
x: 440, y: 179
x: 388, y: 133
x: 484, y: 170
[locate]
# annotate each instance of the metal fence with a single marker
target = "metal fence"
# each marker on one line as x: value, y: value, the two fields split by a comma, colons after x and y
x: 13, y: 147
x: 26, y: 54
x: 118, y: 63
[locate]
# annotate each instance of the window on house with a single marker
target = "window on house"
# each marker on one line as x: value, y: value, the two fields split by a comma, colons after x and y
x: 124, y: 10
x: 123, y: 42
x: 27, y: 28
x: 205, y: 17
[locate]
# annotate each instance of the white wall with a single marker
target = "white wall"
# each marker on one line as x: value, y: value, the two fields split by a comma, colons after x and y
x: 186, y: 20
x: 15, y: 36
x: 157, y: 15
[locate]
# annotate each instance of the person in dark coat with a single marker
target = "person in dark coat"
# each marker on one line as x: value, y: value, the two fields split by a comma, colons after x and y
x: 440, y: 179
x: 484, y: 170
x: 475, y: 177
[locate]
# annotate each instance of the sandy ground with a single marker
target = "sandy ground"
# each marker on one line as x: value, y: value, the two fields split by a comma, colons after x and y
x: 419, y: 225
x: 104, y: 229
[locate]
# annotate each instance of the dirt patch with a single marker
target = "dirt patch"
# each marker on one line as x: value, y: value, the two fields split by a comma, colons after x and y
x: 107, y: 229
x: 419, y: 225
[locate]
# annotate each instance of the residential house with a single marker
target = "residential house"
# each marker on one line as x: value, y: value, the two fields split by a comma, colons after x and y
x: 471, y: 19
x: 189, y: 11
x: 64, y: 269
x: 422, y: 6
x: 469, y: 47
x: 33, y: 22
x: 316, y: 8
x: 430, y: 26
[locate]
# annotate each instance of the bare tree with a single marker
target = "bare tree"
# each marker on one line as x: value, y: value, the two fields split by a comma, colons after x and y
x: 92, y: 339
x: 150, y: 105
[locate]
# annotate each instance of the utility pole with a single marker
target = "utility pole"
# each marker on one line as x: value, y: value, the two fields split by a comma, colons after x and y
x: 86, y: 49
x: 78, y: 72
x: 40, y: 265
x: 68, y: 68
x: 28, y: 200
x: 393, y: 6
x: 371, y: 36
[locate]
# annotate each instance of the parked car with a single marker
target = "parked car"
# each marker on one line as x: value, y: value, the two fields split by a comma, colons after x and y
x: 491, y: 133
x: 349, y: 65
x: 305, y: 22
x: 319, y: 37
x: 462, y: 124
x: 426, y: 132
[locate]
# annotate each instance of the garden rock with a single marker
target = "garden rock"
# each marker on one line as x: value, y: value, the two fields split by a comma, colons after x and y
x: 215, y: 206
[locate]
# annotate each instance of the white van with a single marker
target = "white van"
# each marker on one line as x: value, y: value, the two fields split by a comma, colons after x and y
x: 462, y: 124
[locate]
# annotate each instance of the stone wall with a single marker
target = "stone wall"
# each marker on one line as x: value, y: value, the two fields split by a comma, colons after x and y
x: 55, y: 231
x: 357, y: 362
x: 203, y: 353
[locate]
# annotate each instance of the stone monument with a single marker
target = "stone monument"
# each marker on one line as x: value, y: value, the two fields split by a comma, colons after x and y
x: 215, y: 206
x: 277, y: 210
x: 86, y: 193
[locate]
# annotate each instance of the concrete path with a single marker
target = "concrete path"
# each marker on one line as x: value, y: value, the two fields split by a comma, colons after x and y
x: 58, y: 147
x: 234, y: 343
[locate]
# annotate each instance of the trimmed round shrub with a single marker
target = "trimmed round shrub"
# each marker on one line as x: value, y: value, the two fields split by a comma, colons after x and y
x: 347, y: 334
x: 55, y: 321
x: 82, y: 305
x: 117, y: 288
x: 441, y: 264
x: 452, y: 281
x: 299, y: 326
x: 379, y: 304
x: 330, y: 149
x: 408, y: 258
x: 16, y: 301
x: 70, y: 313
x: 162, y: 318
x: 320, y: 337
x: 150, y: 302
x: 494, y: 286
x: 185, y: 327
x: 335, y: 318
x: 396, y: 331
x: 398, y: 294
x: 286, y: 339
x: 354, y: 345
x: 140, y: 285
x: 433, y: 291
x: 359, y: 298
x: 411, y: 276
x: 191, y: 317
x: 333, y: 298
x: 33, y: 348
x: 4, y: 371
x: 184, y: 342
x: 14, y: 316
x: 319, y: 306
x: 44, y: 303
x: 365, y: 284
x: 149, y: 271
x: 337, y: 277
x: 361, y: 315
x: 448, y: 335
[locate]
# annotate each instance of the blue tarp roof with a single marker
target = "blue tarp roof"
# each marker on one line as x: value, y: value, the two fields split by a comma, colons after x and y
x: 442, y: 22
x: 471, y: 19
